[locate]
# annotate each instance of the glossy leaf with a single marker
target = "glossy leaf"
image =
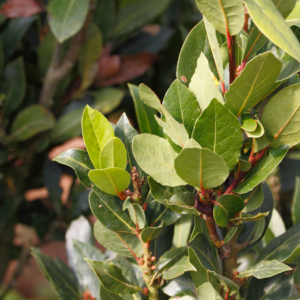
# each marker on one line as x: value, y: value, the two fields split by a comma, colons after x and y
x: 265, y: 269
x: 172, y: 128
x: 180, y: 102
x: 67, y: 126
x: 115, y: 241
x: 275, y: 288
x: 182, y: 231
x: 136, y: 213
x: 282, y: 247
x: 157, y: 161
x: 203, y: 85
x: 182, y: 266
x: 96, y: 131
x: 31, y: 121
x: 296, y: 202
x: 109, y: 211
x: 218, y: 130
x: 262, y: 169
x: 280, y: 119
x: 206, y: 291
x: 111, y: 180
x: 201, y: 168
x: 113, y: 154
x: 14, y: 86
x: 269, y: 20
x: 227, y: 207
x: 224, y: 14
x: 79, y: 161
x: 253, y: 199
x: 112, y: 277
x: 254, y: 82
x: 67, y: 17
x: 144, y: 113
x: 215, y: 48
x: 59, y: 276
x: 168, y: 260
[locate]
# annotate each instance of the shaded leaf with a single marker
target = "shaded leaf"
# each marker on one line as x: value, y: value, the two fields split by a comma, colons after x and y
x: 203, y: 85
x: 66, y: 18
x: 296, y: 202
x: 201, y: 168
x: 254, y: 82
x: 227, y: 207
x: 253, y: 199
x: 218, y: 130
x: 262, y: 169
x: 230, y: 234
x: 30, y: 121
x: 79, y: 161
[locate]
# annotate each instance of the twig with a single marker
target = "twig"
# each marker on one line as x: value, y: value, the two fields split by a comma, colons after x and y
x: 57, y: 71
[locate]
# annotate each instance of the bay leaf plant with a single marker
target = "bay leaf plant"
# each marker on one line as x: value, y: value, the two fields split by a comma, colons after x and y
x: 227, y: 122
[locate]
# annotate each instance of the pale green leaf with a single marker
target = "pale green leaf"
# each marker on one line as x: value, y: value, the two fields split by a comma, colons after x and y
x: 136, y: 213
x: 156, y: 157
x: 294, y: 17
x: 254, y: 82
x: 201, y: 168
x: 203, y: 85
x: 182, y: 230
x: 207, y: 292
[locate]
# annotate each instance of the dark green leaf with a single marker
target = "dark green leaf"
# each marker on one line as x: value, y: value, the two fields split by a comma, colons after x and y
x: 79, y: 161
x: 218, y: 130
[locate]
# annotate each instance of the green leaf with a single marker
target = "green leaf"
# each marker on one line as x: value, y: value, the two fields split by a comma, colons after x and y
x: 224, y: 14
x: 258, y: 132
x: 89, y: 56
x: 201, y: 168
x: 265, y: 269
x: 113, y: 154
x: 257, y: 38
x: 207, y: 292
x: 260, y: 143
x: 79, y: 161
x: 215, y: 48
x: 218, y: 130
x: 67, y: 17
x: 67, y: 126
x: 113, y: 241
x: 156, y: 157
x: 253, y: 199
x: 244, y: 165
x: 248, y: 123
x: 13, y: 86
x: 107, y: 295
x: 152, y: 233
x: 136, y: 14
x: 203, y: 85
x: 182, y: 266
x: 283, y: 246
x: 107, y: 99
x: 195, y: 43
x: 109, y: 211
x: 168, y: 260
x: 262, y: 169
x: 272, y: 24
x: 59, y: 276
x: 230, y: 234
x: 87, y: 277
x: 249, y: 217
x: 183, y: 203
x: 228, y: 206
x: 182, y: 231
x: 251, y: 232
x: 136, y: 213
x: 254, y: 82
x: 112, y: 277
x: 96, y: 131
x: 111, y: 180
x: 275, y: 288
x: 294, y: 17
x: 172, y: 128
x: 240, y: 46
x: 31, y: 121
x: 144, y: 113
x: 191, y: 143
x: 296, y: 202
x: 181, y: 103
x: 280, y: 119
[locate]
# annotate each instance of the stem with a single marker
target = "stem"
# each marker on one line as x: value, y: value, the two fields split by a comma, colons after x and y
x: 147, y: 268
x: 57, y: 71
x: 231, y: 51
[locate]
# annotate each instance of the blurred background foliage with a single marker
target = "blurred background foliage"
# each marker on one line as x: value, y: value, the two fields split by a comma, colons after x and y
x: 49, y: 72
